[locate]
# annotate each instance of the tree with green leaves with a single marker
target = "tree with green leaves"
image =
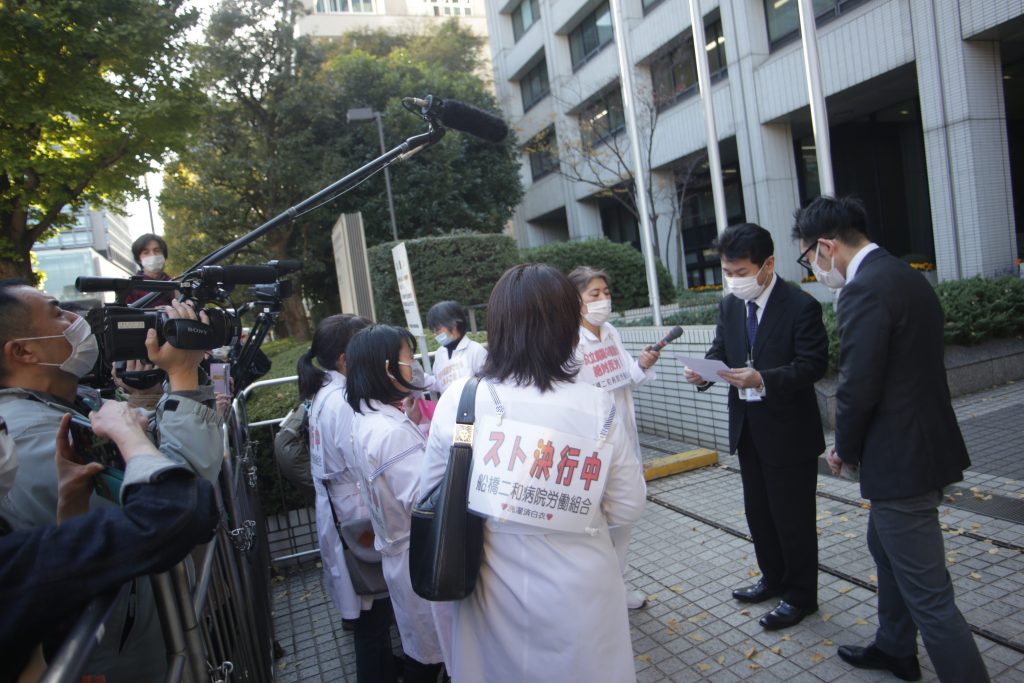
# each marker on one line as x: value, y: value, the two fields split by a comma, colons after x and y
x: 278, y: 133
x: 94, y: 95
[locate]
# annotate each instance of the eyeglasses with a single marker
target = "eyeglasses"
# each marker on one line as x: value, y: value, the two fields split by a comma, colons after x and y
x: 803, y: 261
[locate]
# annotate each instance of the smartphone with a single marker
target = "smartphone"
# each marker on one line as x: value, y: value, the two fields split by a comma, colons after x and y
x: 93, y: 448
x: 220, y: 374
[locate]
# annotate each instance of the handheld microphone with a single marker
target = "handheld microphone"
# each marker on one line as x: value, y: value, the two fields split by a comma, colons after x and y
x: 463, y: 117
x: 237, y: 275
x: 672, y: 335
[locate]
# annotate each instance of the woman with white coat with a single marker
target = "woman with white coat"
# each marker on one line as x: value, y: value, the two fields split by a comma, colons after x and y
x: 389, y: 455
x: 605, y: 363
x: 334, y: 479
x: 458, y: 356
x: 552, y: 469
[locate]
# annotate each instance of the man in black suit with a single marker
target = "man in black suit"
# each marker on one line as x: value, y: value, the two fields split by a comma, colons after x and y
x: 771, y: 334
x: 895, y: 422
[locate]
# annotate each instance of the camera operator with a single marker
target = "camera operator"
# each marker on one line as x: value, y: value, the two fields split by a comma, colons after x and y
x: 43, y: 352
x: 49, y: 573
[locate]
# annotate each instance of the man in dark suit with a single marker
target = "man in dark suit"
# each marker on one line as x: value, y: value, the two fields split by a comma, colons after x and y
x: 895, y: 422
x: 771, y: 334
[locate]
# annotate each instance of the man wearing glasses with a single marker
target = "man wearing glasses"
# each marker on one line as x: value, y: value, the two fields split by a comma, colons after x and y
x: 895, y: 422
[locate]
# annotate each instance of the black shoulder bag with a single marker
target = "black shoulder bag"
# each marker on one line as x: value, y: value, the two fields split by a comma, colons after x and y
x: 446, y: 540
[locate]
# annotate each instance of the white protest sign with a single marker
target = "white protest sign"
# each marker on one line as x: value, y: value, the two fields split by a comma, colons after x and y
x: 603, y: 365
x: 537, y: 476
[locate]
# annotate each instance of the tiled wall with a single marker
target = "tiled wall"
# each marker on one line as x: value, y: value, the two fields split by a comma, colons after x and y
x: 668, y: 406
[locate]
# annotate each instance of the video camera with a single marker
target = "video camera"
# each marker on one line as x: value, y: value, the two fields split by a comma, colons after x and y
x: 121, y: 330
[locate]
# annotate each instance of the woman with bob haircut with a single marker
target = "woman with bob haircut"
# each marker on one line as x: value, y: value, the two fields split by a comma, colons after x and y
x: 335, y: 483
x: 389, y: 450
x: 605, y: 363
x: 552, y: 469
x: 458, y: 355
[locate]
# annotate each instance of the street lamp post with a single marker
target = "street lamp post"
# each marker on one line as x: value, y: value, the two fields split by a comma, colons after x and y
x: 368, y: 114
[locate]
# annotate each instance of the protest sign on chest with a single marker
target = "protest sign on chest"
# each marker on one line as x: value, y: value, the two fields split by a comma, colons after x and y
x: 537, y: 476
x: 603, y: 365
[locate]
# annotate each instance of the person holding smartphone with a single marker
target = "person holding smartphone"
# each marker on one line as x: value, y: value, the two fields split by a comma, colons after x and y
x: 50, y: 572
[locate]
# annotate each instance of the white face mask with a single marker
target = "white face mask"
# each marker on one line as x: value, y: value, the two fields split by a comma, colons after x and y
x: 154, y: 263
x: 832, y: 279
x: 598, y: 312
x: 85, y: 351
x: 746, y: 288
x: 8, y: 463
x: 443, y: 339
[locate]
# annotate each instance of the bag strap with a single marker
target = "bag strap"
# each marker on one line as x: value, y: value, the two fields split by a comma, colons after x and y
x: 466, y: 415
x: 334, y: 514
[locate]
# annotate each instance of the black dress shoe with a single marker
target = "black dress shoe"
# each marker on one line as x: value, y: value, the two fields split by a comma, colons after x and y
x: 783, y: 616
x: 759, y: 592
x: 870, y: 657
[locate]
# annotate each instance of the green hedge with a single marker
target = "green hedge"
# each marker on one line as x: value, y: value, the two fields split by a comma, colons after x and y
x: 623, y: 263
x: 978, y: 309
x: 462, y: 268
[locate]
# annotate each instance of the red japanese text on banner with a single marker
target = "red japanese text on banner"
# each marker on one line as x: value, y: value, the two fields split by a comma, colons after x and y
x: 603, y: 365
x: 536, y: 476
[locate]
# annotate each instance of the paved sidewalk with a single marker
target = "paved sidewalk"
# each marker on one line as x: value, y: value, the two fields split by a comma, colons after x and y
x: 691, y: 549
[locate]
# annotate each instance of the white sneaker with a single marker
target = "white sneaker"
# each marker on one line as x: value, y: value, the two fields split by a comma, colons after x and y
x: 635, y: 599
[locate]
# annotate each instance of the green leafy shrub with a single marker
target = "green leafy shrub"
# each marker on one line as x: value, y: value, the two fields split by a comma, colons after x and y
x: 460, y: 267
x: 977, y: 309
x: 623, y: 263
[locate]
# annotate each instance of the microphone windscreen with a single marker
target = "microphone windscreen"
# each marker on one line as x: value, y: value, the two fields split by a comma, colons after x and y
x: 469, y: 119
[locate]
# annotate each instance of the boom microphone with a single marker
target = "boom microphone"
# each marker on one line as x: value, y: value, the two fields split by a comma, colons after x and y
x: 237, y: 275
x: 463, y: 117
x: 672, y: 335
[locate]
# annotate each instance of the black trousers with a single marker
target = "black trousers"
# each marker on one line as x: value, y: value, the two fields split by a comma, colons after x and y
x: 781, y: 508
x: 375, y: 661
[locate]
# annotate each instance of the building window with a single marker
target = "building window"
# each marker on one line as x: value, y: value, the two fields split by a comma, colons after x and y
x: 543, y: 153
x: 783, y: 17
x: 437, y: 11
x: 593, y: 33
x: 344, y: 6
x: 534, y: 85
x: 675, y: 73
x: 603, y: 118
x: 524, y: 15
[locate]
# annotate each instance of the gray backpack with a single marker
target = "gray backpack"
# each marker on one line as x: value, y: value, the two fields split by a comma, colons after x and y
x: 291, y: 450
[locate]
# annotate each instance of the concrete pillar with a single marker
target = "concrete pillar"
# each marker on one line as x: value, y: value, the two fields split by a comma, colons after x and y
x: 767, y: 164
x: 584, y: 218
x: 963, y: 115
x: 667, y: 228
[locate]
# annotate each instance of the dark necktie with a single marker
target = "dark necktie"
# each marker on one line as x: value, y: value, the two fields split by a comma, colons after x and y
x: 751, y: 323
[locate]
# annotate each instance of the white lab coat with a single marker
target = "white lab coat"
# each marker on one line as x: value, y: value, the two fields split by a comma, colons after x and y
x: 389, y: 455
x: 330, y: 458
x: 625, y: 409
x: 467, y: 360
x: 623, y: 395
x: 546, y: 603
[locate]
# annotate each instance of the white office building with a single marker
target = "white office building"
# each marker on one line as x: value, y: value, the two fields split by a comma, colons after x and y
x: 98, y: 244
x: 925, y: 101
x: 331, y: 18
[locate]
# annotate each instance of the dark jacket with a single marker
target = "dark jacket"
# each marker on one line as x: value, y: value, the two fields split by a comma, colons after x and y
x: 791, y: 353
x: 49, y: 573
x: 893, y: 411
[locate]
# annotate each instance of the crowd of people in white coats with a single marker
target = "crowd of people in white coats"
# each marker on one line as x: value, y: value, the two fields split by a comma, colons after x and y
x: 555, y: 423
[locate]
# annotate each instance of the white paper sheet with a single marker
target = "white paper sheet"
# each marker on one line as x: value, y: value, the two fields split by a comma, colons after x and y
x: 705, y: 367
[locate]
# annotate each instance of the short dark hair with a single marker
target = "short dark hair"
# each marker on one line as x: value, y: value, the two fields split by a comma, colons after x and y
x: 533, y: 320
x: 330, y: 339
x: 580, y: 276
x: 842, y: 218
x: 140, y: 244
x: 370, y: 354
x: 448, y: 314
x: 745, y: 240
x: 14, y: 315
